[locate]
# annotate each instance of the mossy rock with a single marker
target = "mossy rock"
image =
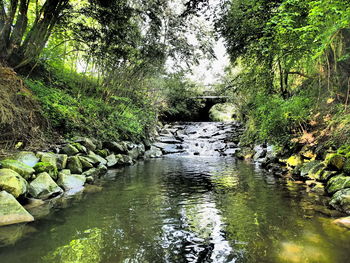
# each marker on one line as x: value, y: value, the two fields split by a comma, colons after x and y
x: 85, y: 163
x: 326, y: 175
x: 103, y: 153
x: 49, y: 158
x: 312, y: 170
x: 22, y: 169
x: 337, y: 183
x: 341, y: 200
x: 44, y: 187
x: 70, y: 150
x: 12, y: 182
x: 11, y: 212
x: 62, y: 161
x: 73, y: 181
x: 334, y: 161
x: 294, y: 161
x: 75, y: 165
x: 344, y: 150
x: 45, y: 167
x: 87, y: 142
x: 81, y: 148
x: 28, y: 158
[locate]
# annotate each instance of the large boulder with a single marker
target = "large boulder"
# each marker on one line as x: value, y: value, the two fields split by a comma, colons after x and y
x: 44, y: 187
x: 341, y: 200
x: 115, y: 147
x: 135, y: 153
x: 46, y: 167
x: 12, y: 182
x: 98, y: 159
x: 73, y: 181
x: 48, y: 157
x: 337, y: 183
x: 28, y: 158
x: 75, y: 165
x: 24, y: 170
x: 11, y: 212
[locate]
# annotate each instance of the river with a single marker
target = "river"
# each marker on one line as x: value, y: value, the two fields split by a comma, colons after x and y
x: 184, y: 208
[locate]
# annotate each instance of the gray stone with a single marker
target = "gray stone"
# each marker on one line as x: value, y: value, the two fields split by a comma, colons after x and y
x: 97, y: 158
x: 11, y: 212
x: 28, y: 158
x: 12, y: 182
x: 111, y: 160
x: 115, y: 147
x: 70, y: 150
x: 88, y: 143
x: 61, y: 161
x: 44, y: 187
x: 153, y: 152
x: 85, y: 163
x: 93, y: 172
x: 341, y: 200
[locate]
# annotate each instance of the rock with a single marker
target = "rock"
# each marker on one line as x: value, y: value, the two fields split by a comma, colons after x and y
x: 28, y: 158
x: 343, y: 222
x: 134, y: 153
x: 70, y: 150
x: 61, y: 161
x: 81, y: 148
x: 128, y: 145
x: 103, y: 153
x: 48, y: 158
x: 24, y: 170
x: 97, y: 158
x: 102, y: 169
x: 125, y: 159
x: 294, y: 161
x: 90, y: 180
x: 66, y: 171
x: 260, y: 152
x: 337, y: 183
x: 111, y: 160
x: 73, y: 181
x: 153, y: 152
x: 89, y: 159
x: 312, y: 170
x: 326, y: 175
x: 88, y: 143
x: 43, y: 167
x: 11, y: 212
x: 75, y: 165
x: 335, y: 161
x: 9, y: 235
x: 168, y: 140
x: 147, y: 143
x: 92, y: 189
x: 341, y: 200
x: 85, y: 163
x: 93, y: 172
x: 44, y: 187
x: 115, y: 147
x: 346, y: 167
x: 12, y: 182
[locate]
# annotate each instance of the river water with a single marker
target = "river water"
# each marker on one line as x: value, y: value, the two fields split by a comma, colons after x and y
x: 184, y: 208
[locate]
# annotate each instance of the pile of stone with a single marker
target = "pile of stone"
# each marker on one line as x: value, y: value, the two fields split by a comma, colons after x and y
x: 28, y: 177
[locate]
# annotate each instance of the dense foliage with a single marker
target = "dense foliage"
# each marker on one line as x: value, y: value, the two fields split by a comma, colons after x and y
x: 290, y: 64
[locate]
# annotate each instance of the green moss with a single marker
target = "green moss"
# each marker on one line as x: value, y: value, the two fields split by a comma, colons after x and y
x: 49, y: 168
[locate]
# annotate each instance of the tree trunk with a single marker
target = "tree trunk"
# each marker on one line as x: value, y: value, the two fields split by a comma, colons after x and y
x: 6, y: 29
x: 21, y: 24
x: 2, y: 14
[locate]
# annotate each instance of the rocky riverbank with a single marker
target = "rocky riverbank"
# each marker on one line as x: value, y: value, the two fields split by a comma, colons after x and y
x: 326, y: 173
x: 33, y: 179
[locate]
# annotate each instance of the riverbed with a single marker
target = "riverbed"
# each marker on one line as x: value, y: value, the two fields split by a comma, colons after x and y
x: 184, y: 209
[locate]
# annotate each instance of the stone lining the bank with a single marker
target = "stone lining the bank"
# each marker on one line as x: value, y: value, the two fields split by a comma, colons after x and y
x: 41, y: 177
x: 328, y: 174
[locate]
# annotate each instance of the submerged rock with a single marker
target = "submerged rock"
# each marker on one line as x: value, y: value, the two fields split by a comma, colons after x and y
x: 24, y: 170
x: 343, y: 222
x: 11, y: 212
x: 44, y: 187
x: 12, y: 182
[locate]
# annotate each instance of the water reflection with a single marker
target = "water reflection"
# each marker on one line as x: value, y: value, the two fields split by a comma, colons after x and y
x: 186, y: 210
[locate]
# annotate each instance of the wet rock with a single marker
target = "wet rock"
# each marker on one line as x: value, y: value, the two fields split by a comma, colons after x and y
x: 337, y: 183
x: 90, y: 180
x: 103, y: 153
x: 70, y: 150
x: 153, y: 152
x: 10, y: 234
x: 11, y: 212
x: 335, y: 161
x: 312, y: 170
x: 81, y: 148
x: 135, y: 153
x: 73, y: 181
x: 44, y: 167
x: 44, y: 187
x: 326, y: 175
x: 170, y: 140
x: 93, y: 172
x: 111, y: 160
x: 89, y: 159
x: 115, y: 147
x: 28, y: 158
x: 22, y: 169
x: 75, y: 165
x: 125, y: 159
x: 102, y: 169
x: 12, y: 182
x: 92, y: 189
x: 86, y: 142
x: 341, y: 200
x: 260, y: 152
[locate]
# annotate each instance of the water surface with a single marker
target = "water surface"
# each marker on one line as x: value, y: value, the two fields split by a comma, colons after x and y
x: 184, y: 209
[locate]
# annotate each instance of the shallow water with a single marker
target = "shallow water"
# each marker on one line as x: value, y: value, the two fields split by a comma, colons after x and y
x: 185, y: 209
